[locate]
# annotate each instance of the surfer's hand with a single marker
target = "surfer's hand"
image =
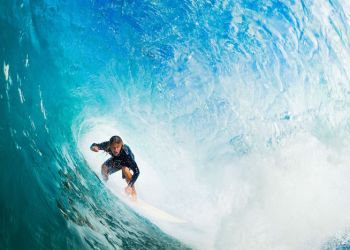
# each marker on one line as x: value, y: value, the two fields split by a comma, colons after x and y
x: 94, y: 148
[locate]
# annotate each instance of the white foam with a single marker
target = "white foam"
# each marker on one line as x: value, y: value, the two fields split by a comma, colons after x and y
x: 26, y: 64
x: 298, y: 198
x: 6, y: 71
x: 294, y: 197
x: 21, y: 95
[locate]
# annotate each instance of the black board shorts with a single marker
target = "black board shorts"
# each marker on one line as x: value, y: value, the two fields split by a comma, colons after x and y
x: 113, y: 166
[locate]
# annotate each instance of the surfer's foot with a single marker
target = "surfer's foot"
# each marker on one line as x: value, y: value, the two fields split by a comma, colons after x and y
x: 133, y: 194
x: 133, y: 197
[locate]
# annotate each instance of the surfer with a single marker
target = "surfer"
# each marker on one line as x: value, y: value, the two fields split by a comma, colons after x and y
x: 122, y: 158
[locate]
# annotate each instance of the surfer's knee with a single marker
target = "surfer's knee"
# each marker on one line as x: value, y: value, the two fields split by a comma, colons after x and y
x: 104, y: 168
x: 126, y: 173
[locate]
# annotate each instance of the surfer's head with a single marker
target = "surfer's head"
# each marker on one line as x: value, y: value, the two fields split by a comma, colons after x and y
x: 115, y: 144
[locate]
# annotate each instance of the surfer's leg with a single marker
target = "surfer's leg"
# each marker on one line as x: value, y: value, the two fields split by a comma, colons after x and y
x: 104, y: 172
x: 127, y: 174
x: 109, y: 167
x: 133, y: 193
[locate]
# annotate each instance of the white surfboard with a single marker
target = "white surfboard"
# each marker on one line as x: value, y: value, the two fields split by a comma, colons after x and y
x: 149, y: 211
x: 140, y: 206
x: 156, y: 213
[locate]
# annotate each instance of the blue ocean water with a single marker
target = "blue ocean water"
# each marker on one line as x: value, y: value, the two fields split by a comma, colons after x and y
x: 237, y: 112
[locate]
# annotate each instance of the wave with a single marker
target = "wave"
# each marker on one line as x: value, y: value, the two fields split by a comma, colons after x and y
x: 237, y: 112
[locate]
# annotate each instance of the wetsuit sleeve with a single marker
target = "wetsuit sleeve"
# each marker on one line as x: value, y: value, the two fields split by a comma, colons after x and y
x: 101, y: 146
x: 131, y: 163
x: 128, y: 151
x: 133, y: 166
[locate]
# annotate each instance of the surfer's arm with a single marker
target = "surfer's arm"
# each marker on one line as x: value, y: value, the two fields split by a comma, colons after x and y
x: 128, y: 151
x: 135, y: 169
x: 100, y: 146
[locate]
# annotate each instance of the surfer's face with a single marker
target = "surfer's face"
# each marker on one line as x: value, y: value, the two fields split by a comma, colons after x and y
x: 116, y: 148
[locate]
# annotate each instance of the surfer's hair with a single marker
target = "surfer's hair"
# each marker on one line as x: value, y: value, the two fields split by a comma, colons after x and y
x: 115, y: 139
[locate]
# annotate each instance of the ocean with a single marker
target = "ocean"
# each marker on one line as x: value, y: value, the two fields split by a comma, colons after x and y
x: 238, y: 113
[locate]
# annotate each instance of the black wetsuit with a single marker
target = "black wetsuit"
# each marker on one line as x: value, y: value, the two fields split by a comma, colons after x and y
x: 124, y: 158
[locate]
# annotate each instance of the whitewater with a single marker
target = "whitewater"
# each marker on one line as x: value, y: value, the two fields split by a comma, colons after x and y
x: 238, y: 113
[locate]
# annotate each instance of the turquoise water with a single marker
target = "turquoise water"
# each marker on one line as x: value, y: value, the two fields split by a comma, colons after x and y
x: 237, y: 112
